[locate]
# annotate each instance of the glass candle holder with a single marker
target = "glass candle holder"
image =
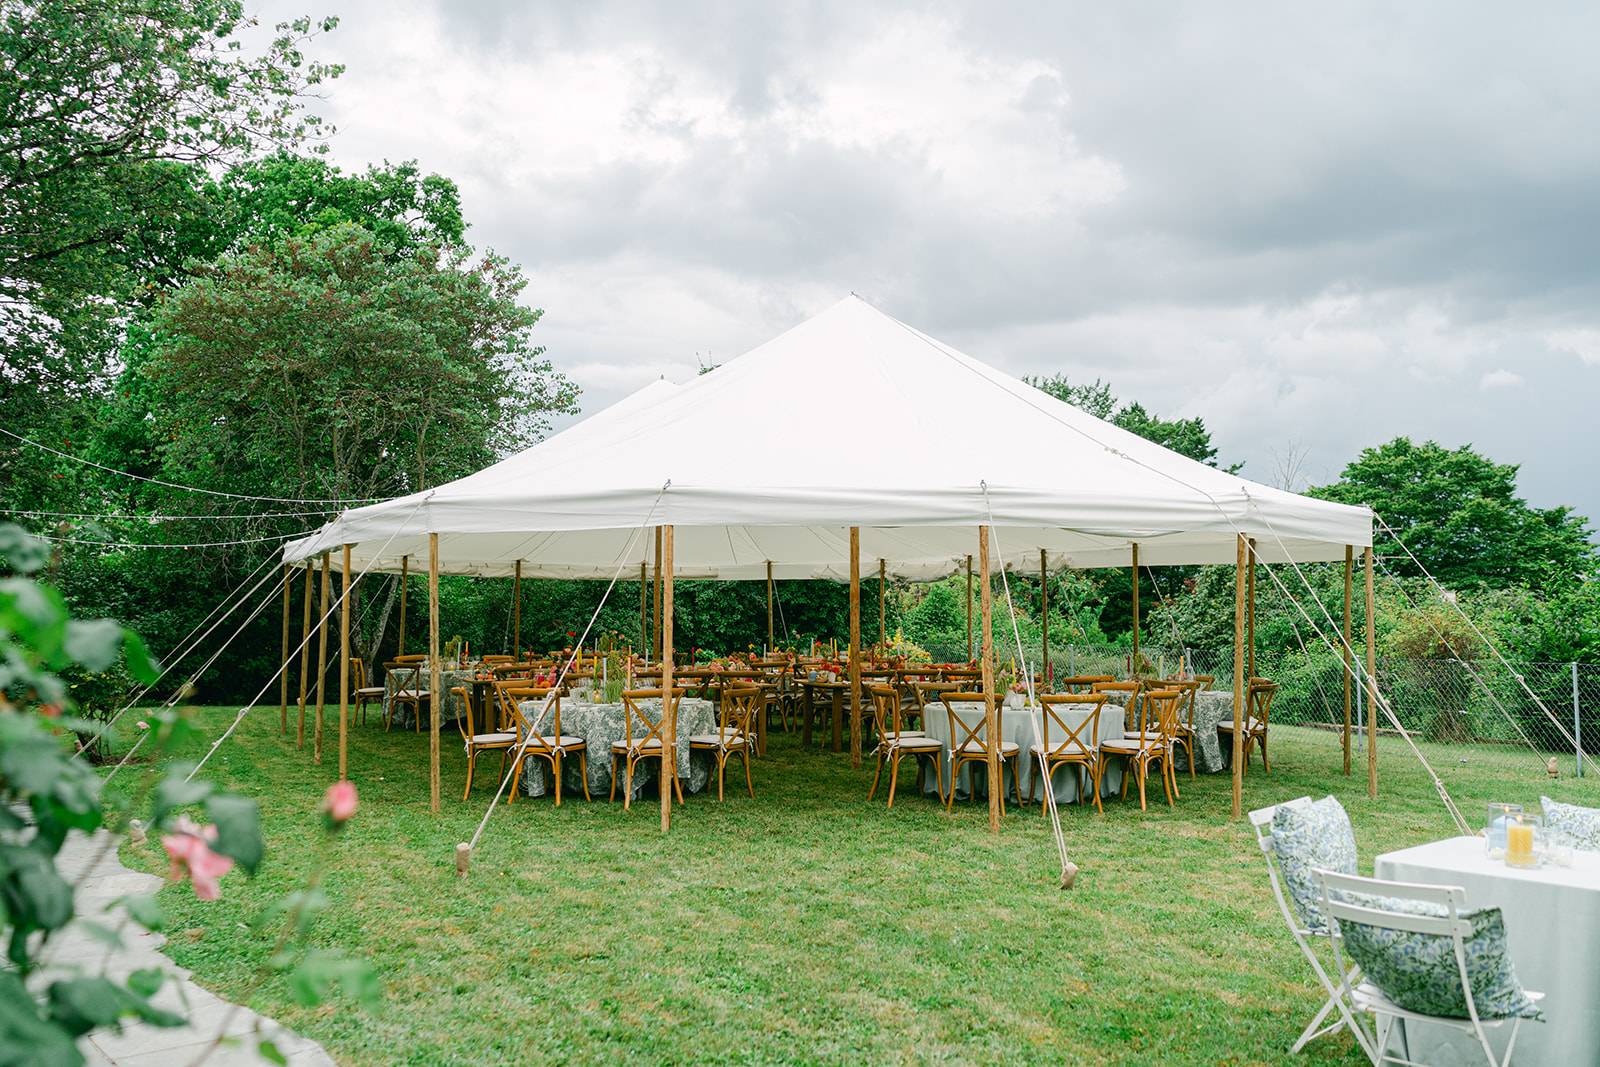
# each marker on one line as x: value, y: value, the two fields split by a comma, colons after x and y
x: 1524, y: 840
x: 1495, y: 828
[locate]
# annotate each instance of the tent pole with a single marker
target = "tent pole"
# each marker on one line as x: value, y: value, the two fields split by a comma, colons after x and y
x: 1349, y: 589
x: 991, y: 714
x: 883, y: 637
x: 1372, y: 681
x: 1250, y: 615
x: 322, y: 655
x: 1241, y: 550
x: 969, y: 607
x: 344, y: 669
x: 435, y: 675
x: 283, y: 655
x: 405, y: 573
x: 1044, y: 600
x: 305, y: 654
x: 644, y: 611
x: 1134, y: 669
x: 771, y: 637
x: 669, y: 750
x: 516, y: 613
x: 655, y: 633
x: 855, y: 646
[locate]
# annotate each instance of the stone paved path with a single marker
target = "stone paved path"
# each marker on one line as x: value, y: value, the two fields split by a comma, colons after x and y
x: 139, y: 1044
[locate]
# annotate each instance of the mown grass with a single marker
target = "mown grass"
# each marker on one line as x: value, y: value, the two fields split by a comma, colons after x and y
x: 806, y: 926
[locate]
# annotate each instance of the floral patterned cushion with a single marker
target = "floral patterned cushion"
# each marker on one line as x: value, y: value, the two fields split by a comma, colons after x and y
x: 1306, y: 835
x: 1419, y: 971
x: 1580, y: 824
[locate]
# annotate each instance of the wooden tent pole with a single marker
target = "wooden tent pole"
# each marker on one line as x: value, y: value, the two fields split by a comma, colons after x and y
x: 883, y: 636
x: 771, y: 633
x: 405, y: 573
x: 344, y: 668
x: 969, y: 607
x: 435, y: 675
x: 516, y: 612
x: 1044, y: 609
x: 1250, y: 614
x: 655, y: 640
x: 855, y: 646
x: 669, y: 710
x: 1241, y: 550
x: 644, y: 611
x: 991, y: 714
x: 1372, y: 681
x: 283, y: 656
x: 305, y: 654
x: 1349, y: 649
x: 322, y: 654
x: 1135, y: 662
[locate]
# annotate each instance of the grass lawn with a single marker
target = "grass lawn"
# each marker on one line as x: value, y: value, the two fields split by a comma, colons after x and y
x: 805, y: 926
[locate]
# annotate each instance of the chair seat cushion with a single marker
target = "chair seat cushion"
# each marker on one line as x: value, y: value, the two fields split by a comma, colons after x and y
x: 1128, y: 745
x: 729, y: 737
x: 1579, y: 823
x: 481, y: 740
x: 918, y: 743
x: 371, y: 691
x: 564, y: 741
x: 412, y: 694
x: 637, y: 743
x: 1134, y: 735
x: 908, y: 734
x: 1007, y: 748
x: 1076, y: 748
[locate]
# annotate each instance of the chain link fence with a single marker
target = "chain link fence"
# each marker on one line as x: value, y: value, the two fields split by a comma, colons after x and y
x: 1474, y: 711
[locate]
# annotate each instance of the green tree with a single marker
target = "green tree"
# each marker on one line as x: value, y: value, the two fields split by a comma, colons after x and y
x: 1460, y: 513
x: 1187, y: 437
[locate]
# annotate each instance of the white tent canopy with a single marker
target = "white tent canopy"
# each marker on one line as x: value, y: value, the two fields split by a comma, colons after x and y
x: 851, y: 418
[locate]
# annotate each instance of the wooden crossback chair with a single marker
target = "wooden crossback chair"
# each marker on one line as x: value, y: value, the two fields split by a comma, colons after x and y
x: 490, y: 661
x: 408, y: 691
x: 1073, y: 746
x: 553, y: 747
x: 921, y: 694
x: 1257, y: 707
x: 476, y: 742
x: 1082, y: 683
x: 1206, y: 681
x: 971, y: 744
x: 364, y: 693
x: 895, y: 744
x: 650, y: 743
x: 1184, y: 737
x: 740, y: 705
x: 1152, y: 744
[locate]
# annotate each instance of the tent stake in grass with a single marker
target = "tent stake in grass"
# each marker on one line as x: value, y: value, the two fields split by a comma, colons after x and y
x: 463, y: 859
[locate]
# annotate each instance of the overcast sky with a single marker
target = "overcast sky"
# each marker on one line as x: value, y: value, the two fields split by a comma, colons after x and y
x: 1317, y: 226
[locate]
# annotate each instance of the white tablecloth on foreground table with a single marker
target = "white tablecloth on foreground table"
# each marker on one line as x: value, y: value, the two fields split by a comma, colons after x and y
x: 1552, y: 917
x: 1023, y: 726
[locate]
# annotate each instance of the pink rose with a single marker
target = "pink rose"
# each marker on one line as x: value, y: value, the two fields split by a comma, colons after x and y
x: 340, y: 802
x: 189, y: 848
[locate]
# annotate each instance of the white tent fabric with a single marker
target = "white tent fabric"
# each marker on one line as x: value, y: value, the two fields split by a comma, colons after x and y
x: 851, y: 418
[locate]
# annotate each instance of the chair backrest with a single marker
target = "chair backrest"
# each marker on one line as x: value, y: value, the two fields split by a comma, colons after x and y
x: 530, y: 732
x: 922, y: 692
x: 492, y: 660
x: 412, y: 657
x: 885, y: 711
x: 467, y: 723
x: 1206, y: 680
x: 1082, y: 683
x: 1075, y: 740
x: 636, y: 715
x: 1258, y: 702
x: 503, y: 671
x: 1188, y: 687
x: 956, y: 674
x: 408, y: 675
x: 960, y: 733
x: 358, y: 672
x: 1261, y: 823
x: 1158, y: 716
x: 740, y: 705
x: 1132, y: 688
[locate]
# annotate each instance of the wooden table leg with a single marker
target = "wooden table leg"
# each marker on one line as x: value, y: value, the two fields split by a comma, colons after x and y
x: 838, y: 720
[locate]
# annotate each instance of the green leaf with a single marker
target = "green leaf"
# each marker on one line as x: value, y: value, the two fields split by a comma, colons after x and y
x: 94, y: 643
x: 26, y: 1036
x: 146, y: 982
x: 270, y: 1052
x: 323, y: 973
x: 101, y: 933
x: 144, y: 910
x: 35, y: 896
x: 141, y: 664
x: 172, y: 792
x: 84, y: 1004
x: 238, y: 823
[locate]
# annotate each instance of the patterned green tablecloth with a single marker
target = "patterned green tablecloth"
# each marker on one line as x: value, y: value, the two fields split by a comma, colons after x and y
x: 600, y: 725
x: 1210, y: 708
x: 392, y: 681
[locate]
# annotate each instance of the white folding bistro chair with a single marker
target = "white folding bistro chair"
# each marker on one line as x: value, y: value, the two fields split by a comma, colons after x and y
x: 1337, y: 1002
x: 1378, y: 903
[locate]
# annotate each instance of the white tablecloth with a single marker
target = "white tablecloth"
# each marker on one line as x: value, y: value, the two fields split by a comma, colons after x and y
x: 1024, y: 726
x: 1552, y: 917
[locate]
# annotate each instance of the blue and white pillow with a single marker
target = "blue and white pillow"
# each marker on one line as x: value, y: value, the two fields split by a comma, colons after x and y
x: 1307, y: 835
x: 1419, y: 971
x: 1580, y: 824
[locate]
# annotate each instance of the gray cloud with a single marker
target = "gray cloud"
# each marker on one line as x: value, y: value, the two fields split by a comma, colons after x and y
x: 1326, y: 225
